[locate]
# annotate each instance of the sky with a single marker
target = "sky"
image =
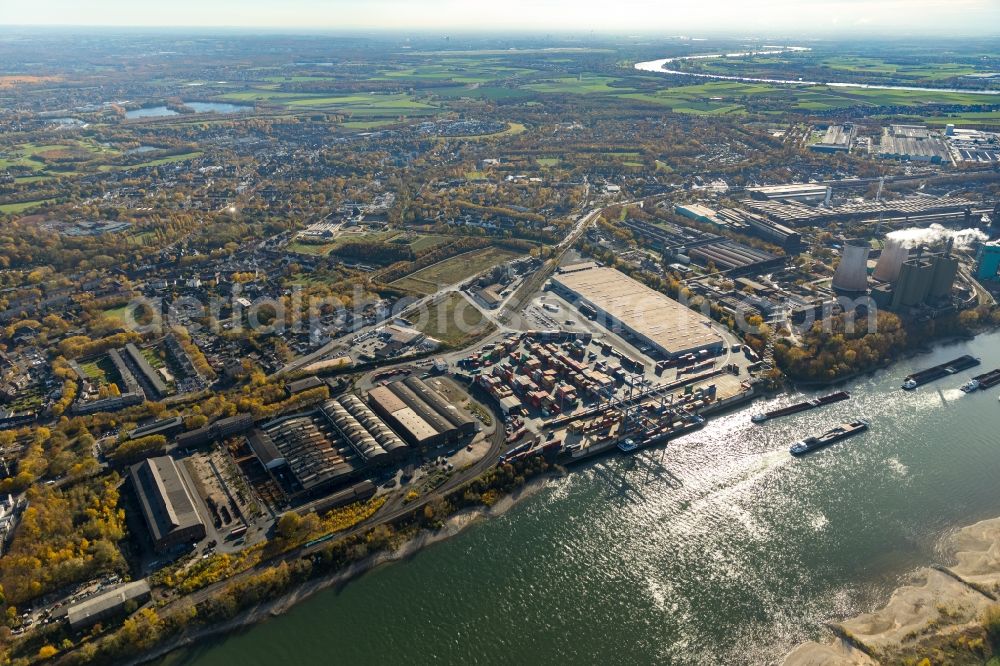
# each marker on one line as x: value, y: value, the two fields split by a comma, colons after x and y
x: 941, y: 17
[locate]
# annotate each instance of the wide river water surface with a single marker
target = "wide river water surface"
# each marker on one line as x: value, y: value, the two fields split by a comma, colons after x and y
x: 718, y: 549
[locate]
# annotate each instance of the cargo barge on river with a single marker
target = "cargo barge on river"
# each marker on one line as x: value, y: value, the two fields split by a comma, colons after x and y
x: 801, y: 407
x: 918, y: 379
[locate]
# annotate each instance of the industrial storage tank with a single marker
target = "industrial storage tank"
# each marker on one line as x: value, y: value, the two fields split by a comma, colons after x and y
x: 852, y: 272
x: 889, y: 264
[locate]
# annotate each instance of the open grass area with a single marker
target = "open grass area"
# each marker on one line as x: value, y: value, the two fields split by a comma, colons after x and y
x: 366, y: 108
x: 315, y: 249
x: 14, y: 208
x: 367, y: 124
x: 454, y: 270
x: 585, y: 84
x: 100, y: 371
x: 427, y: 241
x: 417, y: 242
x: 454, y: 321
x: 119, y: 315
x: 967, y: 119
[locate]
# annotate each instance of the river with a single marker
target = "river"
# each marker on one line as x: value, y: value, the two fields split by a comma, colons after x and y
x: 660, y: 67
x: 719, y: 549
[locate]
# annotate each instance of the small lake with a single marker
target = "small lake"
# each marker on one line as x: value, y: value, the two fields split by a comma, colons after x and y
x: 198, y: 107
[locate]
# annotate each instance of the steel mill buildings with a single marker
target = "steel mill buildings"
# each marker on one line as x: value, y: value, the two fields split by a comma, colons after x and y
x: 642, y: 313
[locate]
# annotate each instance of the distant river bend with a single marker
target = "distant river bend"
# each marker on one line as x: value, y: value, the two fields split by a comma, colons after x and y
x: 660, y: 67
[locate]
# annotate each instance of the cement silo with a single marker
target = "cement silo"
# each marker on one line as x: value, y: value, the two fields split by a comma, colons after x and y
x: 891, y: 261
x: 852, y: 272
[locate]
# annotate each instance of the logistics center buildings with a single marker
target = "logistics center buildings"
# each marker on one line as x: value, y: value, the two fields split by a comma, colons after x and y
x: 667, y: 327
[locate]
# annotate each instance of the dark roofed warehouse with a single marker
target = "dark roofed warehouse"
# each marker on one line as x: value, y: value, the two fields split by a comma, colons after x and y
x: 167, y: 505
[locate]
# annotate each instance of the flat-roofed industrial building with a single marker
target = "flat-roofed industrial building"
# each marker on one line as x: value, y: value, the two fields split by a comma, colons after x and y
x: 644, y: 314
x: 421, y: 415
x: 114, y: 602
x: 166, y: 503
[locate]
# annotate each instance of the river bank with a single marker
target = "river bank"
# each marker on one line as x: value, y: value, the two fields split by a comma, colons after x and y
x: 885, y: 365
x: 792, y: 544
x: 453, y: 526
x: 660, y: 67
x: 938, y: 602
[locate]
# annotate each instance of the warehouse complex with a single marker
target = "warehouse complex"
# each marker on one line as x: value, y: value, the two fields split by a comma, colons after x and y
x: 836, y: 139
x: 419, y: 413
x: 913, y: 143
x: 347, y: 436
x: 656, y: 321
x: 166, y: 503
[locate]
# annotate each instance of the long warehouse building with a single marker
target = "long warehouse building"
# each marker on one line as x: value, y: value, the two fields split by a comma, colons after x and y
x: 166, y: 504
x: 642, y: 313
x: 419, y: 413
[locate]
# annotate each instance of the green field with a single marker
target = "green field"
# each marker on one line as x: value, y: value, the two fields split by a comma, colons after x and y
x: 585, y: 84
x: 417, y: 242
x: 100, y: 372
x: 367, y: 124
x: 454, y: 270
x: 454, y: 321
x: 426, y: 242
x: 39, y: 157
x: 355, y: 105
x: 968, y: 119
x: 13, y: 208
x: 317, y: 249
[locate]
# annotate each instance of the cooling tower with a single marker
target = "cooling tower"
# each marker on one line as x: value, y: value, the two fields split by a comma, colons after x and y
x: 852, y: 272
x: 893, y: 256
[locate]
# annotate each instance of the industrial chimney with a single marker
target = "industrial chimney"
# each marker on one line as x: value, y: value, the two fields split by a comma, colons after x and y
x: 852, y: 272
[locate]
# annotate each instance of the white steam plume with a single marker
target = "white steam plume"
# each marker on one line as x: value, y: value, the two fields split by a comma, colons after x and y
x: 936, y: 234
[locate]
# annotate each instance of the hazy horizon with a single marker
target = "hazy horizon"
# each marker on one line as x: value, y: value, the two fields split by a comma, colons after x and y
x: 805, y: 17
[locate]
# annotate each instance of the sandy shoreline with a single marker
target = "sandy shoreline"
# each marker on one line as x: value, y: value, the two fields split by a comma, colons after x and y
x: 274, y: 607
x: 936, y: 600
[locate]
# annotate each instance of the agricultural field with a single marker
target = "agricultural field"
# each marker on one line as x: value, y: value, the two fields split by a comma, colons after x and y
x: 584, y: 84
x: 362, y: 105
x: 454, y: 270
x: 899, y: 69
x: 967, y: 119
x: 454, y: 321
